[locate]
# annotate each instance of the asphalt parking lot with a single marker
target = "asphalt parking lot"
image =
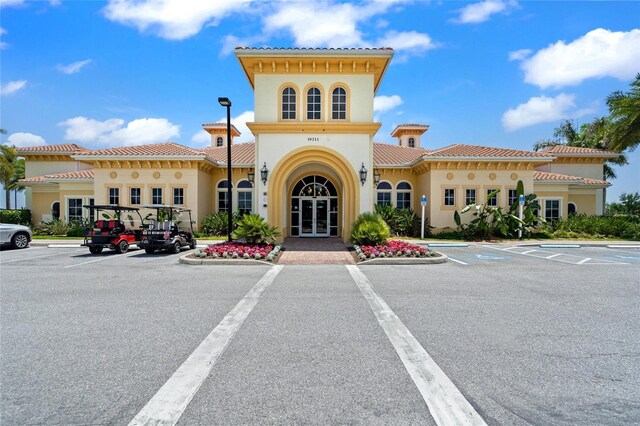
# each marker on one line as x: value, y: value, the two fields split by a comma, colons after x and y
x: 524, y: 334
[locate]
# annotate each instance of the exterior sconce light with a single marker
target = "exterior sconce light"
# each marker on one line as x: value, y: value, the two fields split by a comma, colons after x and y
x: 264, y: 173
x: 251, y: 176
x: 363, y: 174
x: 376, y: 177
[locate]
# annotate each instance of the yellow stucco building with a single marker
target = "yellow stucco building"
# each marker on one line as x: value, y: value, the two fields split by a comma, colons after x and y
x: 315, y: 162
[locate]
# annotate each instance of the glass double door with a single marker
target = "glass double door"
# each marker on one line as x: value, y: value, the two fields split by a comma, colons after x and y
x: 314, y: 217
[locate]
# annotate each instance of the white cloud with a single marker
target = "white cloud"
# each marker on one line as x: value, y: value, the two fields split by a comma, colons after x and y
x: 386, y: 103
x: 55, y: 2
x: 519, y: 55
x: 11, y: 3
x: 12, y: 87
x: 410, y: 40
x: 542, y: 109
x: 171, y: 19
x: 20, y: 140
x: 201, y: 137
x: 73, y: 67
x: 482, y: 11
x: 599, y: 53
x: 240, y: 122
x: 113, y: 132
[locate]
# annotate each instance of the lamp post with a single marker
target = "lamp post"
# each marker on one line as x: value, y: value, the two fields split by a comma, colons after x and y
x: 225, y: 102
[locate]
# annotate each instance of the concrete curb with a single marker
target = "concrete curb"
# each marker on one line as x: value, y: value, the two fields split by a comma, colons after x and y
x: 405, y: 261
x: 186, y: 260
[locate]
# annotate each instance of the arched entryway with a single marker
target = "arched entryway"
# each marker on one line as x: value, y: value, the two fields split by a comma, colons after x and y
x: 314, y: 208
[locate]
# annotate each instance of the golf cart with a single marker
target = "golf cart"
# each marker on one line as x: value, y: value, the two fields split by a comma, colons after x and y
x: 110, y: 231
x: 169, y: 230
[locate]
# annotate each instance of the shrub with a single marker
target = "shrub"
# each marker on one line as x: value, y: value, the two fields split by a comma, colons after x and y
x: 369, y: 229
x: 582, y: 226
x: 54, y: 227
x: 217, y: 223
x: 18, y: 217
x: 255, y: 230
x: 401, y: 221
x: 76, y: 228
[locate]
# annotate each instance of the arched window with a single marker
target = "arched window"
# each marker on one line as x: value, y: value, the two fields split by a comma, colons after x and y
x: 339, y: 104
x: 314, y: 104
x: 572, y: 208
x: 412, y: 143
x: 289, y: 103
x: 383, y: 194
x: 245, y: 197
x: 219, y: 141
x: 403, y: 195
x: 223, y: 203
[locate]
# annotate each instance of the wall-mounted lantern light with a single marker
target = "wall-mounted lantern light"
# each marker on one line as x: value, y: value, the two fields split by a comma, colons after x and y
x: 376, y: 177
x: 251, y: 176
x: 264, y: 173
x: 363, y: 174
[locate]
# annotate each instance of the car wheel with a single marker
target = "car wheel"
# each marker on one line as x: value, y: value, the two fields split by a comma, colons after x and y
x: 176, y: 248
x: 122, y: 247
x: 20, y: 241
x: 192, y: 244
x: 148, y: 250
x: 95, y: 250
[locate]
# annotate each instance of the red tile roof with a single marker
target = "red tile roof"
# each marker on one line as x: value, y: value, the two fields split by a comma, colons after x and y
x: 459, y: 150
x: 241, y: 153
x: 221, y: 126
x: 74, y: 175
x: 167, y: 149
x: 304, y: 49
x: 64, y: 148
x: 539, y: 176
x: 393, y: 155
x: 565, y: 149
x: 418, y: 128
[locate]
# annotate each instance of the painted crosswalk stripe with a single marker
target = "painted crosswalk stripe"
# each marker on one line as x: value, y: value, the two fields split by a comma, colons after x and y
x: 446, y: 403
x: 168, y: 404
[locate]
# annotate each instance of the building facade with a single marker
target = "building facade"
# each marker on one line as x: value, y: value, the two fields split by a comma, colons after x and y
x: 314, y: 160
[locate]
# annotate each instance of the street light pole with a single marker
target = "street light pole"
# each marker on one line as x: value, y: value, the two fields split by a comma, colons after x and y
x: 225, y: 102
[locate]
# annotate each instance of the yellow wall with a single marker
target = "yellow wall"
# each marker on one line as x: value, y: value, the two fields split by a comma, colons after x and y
x: 41, y: 168
x: 585, y: 203
x: 42, y: 199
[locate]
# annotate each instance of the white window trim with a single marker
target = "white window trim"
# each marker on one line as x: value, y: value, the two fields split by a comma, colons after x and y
x: 543, y: 206
x: 396, y: 191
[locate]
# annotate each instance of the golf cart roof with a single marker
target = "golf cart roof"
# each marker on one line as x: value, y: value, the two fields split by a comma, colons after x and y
x: 111, y: 207
x: 166, y: 207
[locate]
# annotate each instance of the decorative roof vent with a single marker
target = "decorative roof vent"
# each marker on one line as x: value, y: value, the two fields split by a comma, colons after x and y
x: 218, y: 132
x: 409, y: 134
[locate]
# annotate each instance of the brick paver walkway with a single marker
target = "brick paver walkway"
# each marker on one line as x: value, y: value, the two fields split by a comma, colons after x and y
x: 315, y: 251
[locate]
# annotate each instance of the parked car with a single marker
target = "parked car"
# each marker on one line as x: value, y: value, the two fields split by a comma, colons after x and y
x: 112, y: 231
x: 170, y: 230
x: 17, y: 236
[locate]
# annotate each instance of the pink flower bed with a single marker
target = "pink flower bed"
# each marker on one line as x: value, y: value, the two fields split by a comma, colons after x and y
x: 239, y: 250
x: 393, y: 248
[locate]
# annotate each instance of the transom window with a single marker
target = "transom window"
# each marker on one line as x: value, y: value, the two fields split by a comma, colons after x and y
x: 74, y: 211
x: 135, y: 195
x: 314, y: 104
x: 493, y: 201
x: 469, y: 196
x: 156, y: 195
x: 289, y: 103
x: 551, y: 210
x: 412, y: 143
x: 449, y: 197
x: 314, y: 186
x: 383, y: 195
x: 114, y: 196
x: 178, y: 196
x: 403, y: 195
x: 245, y: 197
x: 339, y: 104
x: 219, y: 141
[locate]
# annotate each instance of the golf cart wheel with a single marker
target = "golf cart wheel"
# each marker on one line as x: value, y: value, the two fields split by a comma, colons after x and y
x: 95, y: 250
x: 20, y: 240
x: 148, y: 250
x: 192, y: 244
x: 175, y: 249
x: 122, y: 247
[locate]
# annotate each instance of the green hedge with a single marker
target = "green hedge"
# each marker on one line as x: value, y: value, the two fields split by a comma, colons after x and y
x: 20, y: 217
x: 581, y: 226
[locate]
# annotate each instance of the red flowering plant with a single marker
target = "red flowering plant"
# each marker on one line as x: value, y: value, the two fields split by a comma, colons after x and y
x: 392, y: 248
x: 237, y: 250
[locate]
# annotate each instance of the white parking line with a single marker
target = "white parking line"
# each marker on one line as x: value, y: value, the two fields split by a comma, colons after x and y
x: 101, y: 259
x: 168, y: 404
x: 567, y: 258
x: 586, y: 259
x: 457, y: 261
x: 446, y: 403
x: 35, y: 258
x: 553, y: 255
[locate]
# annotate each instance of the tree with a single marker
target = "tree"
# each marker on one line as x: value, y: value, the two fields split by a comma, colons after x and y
x: 14, y: 184
x: 8, y: 160
x: 629, y: 205
x: 595, y: 135
x: 624, y: 110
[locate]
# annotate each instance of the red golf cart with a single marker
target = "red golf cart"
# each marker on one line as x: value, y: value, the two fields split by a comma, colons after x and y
x: 112, y: 231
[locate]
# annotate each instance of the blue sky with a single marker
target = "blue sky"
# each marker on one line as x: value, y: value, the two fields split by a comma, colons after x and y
x: 495, y: 73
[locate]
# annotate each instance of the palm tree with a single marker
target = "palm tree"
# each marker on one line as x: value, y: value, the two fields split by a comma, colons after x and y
x: 624, y: 109
x: 8, y: 159
x: 595, y: 135
x: 14, y: 185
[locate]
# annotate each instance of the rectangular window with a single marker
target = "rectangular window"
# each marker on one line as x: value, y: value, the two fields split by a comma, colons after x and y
x: 512, y: 196
x: 384, y: 198
x: 156, y: 195
x: 222, y: 201
x: 244, y: 202
x: 74, y: 209
x: 135, y: 196
x: 449, y: 197
x: 114, y: 196
x: 493, y: 201
x: 403, y: 200
x: 551, y: 210
x: 469, y: 196
x: 178, y: 196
